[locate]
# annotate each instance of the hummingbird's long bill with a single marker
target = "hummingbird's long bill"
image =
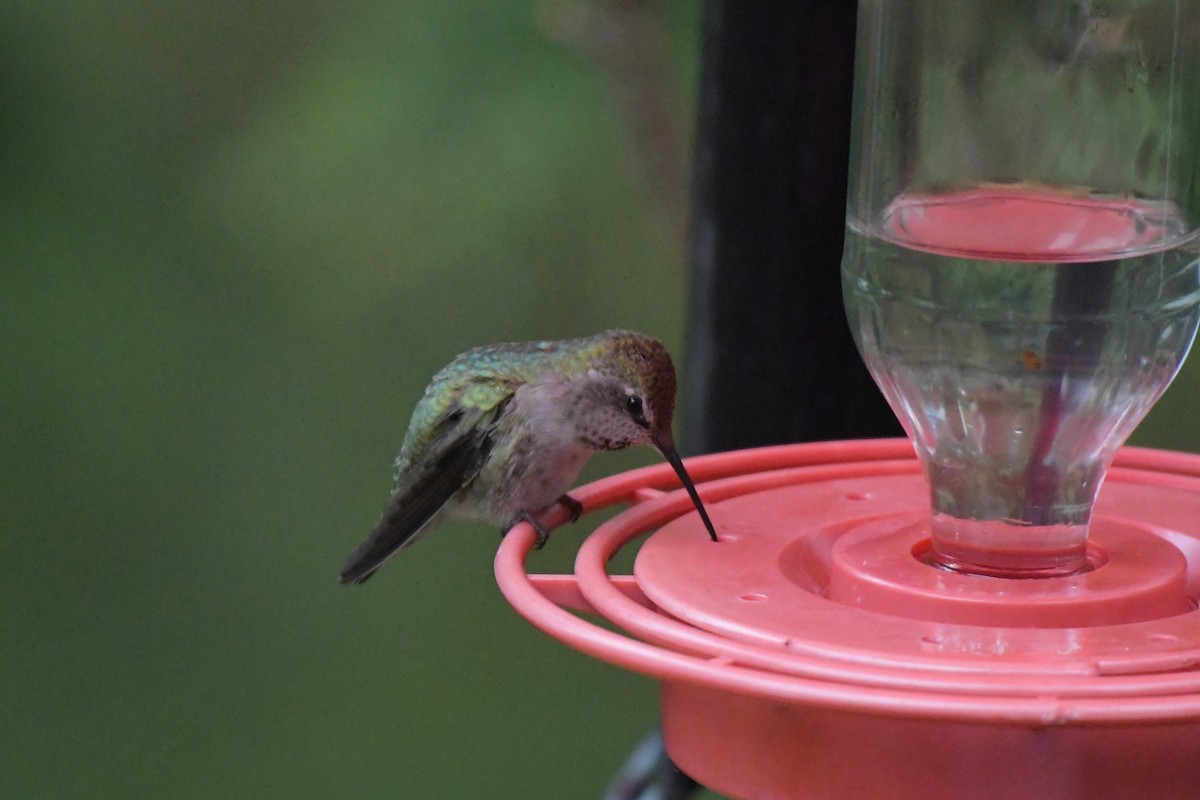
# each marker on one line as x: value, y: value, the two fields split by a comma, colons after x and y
x: 672, y: 455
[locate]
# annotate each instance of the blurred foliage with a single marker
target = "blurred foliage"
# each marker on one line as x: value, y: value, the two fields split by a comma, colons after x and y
x: 237, y: 239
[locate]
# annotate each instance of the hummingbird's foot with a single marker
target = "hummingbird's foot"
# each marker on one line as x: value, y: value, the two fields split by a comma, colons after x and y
x: 543, y: 535
x: 573, y: 506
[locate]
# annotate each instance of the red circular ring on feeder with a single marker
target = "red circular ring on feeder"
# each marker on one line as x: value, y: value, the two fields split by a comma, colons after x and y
x: 881, y: 566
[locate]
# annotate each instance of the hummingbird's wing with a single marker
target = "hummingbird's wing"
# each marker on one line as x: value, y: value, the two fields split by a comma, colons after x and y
x: 457, y: 450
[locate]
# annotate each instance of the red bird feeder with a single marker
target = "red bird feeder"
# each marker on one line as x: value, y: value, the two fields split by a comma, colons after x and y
x: 812, y: 653
x: 1003, y: 607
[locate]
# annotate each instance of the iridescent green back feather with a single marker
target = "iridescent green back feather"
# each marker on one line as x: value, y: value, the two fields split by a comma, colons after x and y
x: 484, y: 378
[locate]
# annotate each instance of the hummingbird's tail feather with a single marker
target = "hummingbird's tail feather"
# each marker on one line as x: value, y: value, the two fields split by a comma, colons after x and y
x: 401, y: 525
x: 425, y: 489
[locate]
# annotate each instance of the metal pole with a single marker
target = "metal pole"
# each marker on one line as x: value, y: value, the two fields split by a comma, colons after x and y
x: 770, y: 358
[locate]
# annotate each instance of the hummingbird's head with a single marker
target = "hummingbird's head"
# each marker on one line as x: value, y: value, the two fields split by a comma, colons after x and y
x: 627, y: 392
x: 634, y: 401
x: 649, y: 393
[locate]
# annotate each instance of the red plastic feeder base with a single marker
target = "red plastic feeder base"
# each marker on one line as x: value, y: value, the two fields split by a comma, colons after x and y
x: 812, y: 653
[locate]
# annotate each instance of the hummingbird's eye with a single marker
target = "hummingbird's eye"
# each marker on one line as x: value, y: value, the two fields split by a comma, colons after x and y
x: 633, y: 404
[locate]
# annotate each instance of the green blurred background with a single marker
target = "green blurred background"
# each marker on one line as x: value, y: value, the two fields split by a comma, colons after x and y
x: 236, y: 240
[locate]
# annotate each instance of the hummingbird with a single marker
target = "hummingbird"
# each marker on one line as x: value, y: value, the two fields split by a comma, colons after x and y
x: 503, y: 431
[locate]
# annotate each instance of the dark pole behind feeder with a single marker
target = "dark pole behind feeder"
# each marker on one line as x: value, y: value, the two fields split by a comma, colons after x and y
x: 770, y: 358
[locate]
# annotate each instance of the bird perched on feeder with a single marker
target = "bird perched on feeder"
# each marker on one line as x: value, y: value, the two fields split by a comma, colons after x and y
x: 503, y: 431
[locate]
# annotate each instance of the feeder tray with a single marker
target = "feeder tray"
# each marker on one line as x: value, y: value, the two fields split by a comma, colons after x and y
x: 813, y: 653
